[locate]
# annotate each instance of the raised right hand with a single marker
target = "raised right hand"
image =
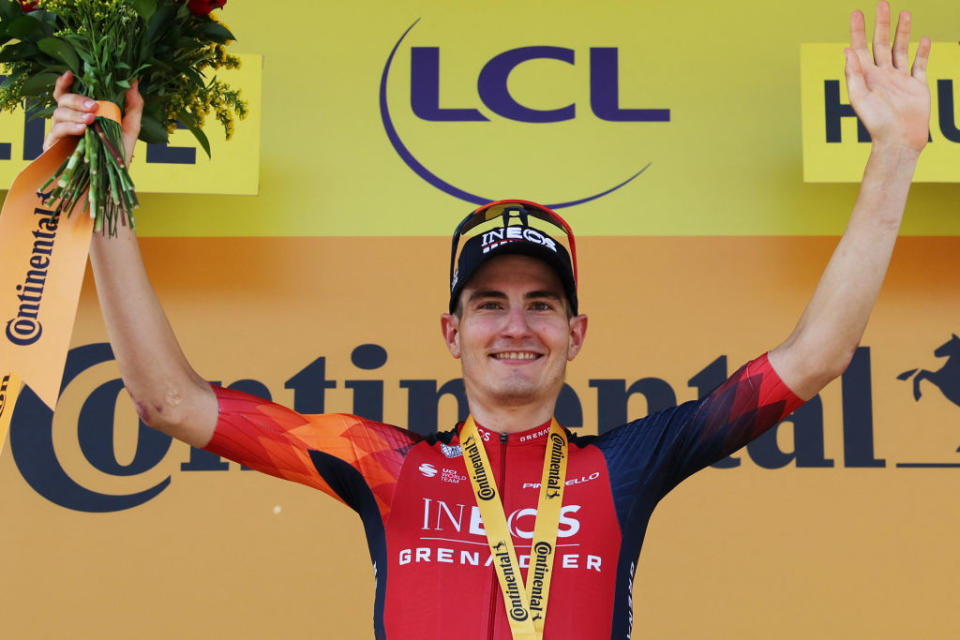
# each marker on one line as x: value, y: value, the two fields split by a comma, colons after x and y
x: 74, y: 112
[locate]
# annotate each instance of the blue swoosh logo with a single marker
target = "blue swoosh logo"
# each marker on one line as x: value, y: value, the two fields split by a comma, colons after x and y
x: 435, y: 180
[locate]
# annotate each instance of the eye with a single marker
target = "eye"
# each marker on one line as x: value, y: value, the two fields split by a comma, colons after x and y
x: 542, y: 305
x: 491, y: 305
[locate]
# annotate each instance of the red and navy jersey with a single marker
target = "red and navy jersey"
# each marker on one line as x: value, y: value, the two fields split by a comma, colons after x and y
x: 424, y: 531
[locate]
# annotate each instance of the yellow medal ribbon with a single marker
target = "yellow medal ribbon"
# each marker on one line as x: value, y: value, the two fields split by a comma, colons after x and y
x: 526, y: 606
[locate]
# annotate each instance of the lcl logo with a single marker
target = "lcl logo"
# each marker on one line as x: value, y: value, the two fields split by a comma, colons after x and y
x: 495, y: 95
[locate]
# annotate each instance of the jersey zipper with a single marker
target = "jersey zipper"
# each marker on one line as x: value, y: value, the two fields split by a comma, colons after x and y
x: 495, y: 592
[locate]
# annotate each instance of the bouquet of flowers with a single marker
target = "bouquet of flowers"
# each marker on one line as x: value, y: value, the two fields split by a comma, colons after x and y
x: 170, y: 47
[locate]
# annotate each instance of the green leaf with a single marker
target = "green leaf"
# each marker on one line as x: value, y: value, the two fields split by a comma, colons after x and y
x: 39, y: 84
x: 190, y: 123
x: 41, y: 114
x: 9, y: 10
x: 61, y: 50
x: 85, y: 55
x: 195, y: 76
x: 145, y: 8
x: 26, y: 28
x: 59, y: 69
x: 152, y: 130
x: 10, y: 80
x: 19, y: 51
x: 153, y: 107
x: 186, y: 119
x: 201, y: 138
x: 159, y: 22
x: 216, y: 32
x: 48, y: 20
x: 123, y: 84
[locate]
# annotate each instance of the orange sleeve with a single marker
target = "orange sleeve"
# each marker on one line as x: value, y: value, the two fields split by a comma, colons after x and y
x: 330, y: 452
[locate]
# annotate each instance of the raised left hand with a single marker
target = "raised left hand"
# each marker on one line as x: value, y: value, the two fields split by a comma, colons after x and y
x: 891, y: 98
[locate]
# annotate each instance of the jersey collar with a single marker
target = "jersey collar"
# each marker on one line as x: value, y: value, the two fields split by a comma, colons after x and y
x: 536, y: 435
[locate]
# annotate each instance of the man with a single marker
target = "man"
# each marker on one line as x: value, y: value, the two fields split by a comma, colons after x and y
x: 484, y: 549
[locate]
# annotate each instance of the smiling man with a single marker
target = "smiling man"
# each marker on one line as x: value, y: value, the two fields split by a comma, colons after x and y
x: 513, y: 320
x: 473, y: 531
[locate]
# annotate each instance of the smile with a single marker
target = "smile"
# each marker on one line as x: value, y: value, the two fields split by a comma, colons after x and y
x: 516, y: 355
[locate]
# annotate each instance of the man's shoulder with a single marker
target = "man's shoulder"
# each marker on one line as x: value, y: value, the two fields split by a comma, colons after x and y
x: 652, y: 423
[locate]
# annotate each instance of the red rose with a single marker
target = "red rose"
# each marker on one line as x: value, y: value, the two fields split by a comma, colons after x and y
x: 204, y: 7
x: 30, y: 6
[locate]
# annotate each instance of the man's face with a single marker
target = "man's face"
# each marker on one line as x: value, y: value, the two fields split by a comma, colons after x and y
x: 513, y: 334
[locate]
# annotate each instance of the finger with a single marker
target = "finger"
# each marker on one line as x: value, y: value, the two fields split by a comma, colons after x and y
x: 67, y: 114
x: 77, y: 102
x: 62, y: 130
x: 901, y: 43
x: 62, y: 85
x: 132, y: 115
x: 856, y: 86
x: 858, y: 40
x: 881, y: 36
x: 920, y: 60
x: 858, y: 36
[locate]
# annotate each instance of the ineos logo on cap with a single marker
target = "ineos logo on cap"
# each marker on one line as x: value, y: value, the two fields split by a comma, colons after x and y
x: 496, y: 237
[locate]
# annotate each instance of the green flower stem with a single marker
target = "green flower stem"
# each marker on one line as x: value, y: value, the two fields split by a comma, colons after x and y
x: 77, y: 154
x: 103, y: 131
x: 94, y: 154
x: 113, y: 187
x: 96, y: 174
x: 82, y: 178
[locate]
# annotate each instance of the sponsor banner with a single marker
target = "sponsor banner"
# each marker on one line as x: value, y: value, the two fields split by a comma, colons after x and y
x: 181, y: 165
x: 43, y: 258
x: 729, y: 161
x: 852, y: 500
x: 836, y: 145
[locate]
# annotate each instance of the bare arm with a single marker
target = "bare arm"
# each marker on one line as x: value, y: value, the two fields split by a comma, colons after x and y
x: 169, y: 394
x: 893, y: 101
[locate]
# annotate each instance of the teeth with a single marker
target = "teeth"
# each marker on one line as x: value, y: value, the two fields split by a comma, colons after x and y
x: 516, y: 355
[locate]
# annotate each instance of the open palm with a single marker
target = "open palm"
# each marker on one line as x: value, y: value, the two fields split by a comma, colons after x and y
x: 891, y: 98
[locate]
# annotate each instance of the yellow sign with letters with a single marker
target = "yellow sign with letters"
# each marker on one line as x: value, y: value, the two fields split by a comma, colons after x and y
x: 836, y: 145
x: 180, y: 166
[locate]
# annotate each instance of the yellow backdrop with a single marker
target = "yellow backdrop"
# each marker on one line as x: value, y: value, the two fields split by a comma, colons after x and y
x: 711, y: 251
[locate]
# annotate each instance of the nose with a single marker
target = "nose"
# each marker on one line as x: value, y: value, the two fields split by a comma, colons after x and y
x: 515, y: 323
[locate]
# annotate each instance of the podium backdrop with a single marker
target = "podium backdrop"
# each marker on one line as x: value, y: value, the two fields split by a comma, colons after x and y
x: 674, y: 138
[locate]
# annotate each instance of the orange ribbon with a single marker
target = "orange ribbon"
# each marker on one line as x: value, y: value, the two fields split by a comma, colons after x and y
x: 108, y: 110
x: 42, y: 259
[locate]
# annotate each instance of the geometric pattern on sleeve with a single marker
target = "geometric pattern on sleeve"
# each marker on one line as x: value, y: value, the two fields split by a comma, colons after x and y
x: 275, y: 440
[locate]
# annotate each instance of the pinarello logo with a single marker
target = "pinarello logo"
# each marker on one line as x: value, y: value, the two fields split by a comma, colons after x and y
x: 598, y: 66
x: 428, y: 470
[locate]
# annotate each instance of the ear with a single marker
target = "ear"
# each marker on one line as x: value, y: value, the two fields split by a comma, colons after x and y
x: 578, y: 333
x: 450, y: 327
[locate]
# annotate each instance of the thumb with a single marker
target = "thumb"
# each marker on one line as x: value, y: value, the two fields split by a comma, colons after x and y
x: 131, y: 119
